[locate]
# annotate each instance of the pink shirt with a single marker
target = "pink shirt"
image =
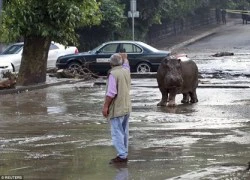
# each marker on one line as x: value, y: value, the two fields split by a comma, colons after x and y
x: 112, y: 90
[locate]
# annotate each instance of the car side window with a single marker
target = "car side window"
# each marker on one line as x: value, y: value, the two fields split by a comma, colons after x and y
x: 110, y: 48
x: 14, y: 49
x: 53, y: 46
x: 131, y: 48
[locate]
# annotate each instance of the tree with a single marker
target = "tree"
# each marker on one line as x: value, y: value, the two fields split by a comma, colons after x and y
x: 114, y: 25
x: 154, y: 12
x: 111, y: 26
x: 39, y: 22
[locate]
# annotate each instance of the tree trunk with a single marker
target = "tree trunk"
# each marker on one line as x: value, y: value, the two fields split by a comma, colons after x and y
x: 34, y: 61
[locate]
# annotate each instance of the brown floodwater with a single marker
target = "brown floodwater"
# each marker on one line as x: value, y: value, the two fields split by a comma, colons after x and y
x: 59, y: 133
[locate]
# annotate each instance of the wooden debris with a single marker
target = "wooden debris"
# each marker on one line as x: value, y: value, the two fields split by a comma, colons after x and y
x: 8, y: 81
x: 220, y: 54
x: 51, y: 70
x: 248, y: 167
x: 79, y: 73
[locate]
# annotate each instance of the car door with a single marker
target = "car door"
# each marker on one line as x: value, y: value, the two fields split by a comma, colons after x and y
x: 134, y: 52
x: 102, y: 58
x: 13, y: 55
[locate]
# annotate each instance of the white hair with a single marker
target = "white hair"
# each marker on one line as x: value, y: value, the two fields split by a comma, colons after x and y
x: 116, y: 60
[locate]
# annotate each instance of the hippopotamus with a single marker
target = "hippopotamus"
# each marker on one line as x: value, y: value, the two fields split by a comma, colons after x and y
x: 245, y: 17
x: 175, y: 76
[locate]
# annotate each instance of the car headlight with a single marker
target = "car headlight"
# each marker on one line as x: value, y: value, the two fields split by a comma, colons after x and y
x: 3, y: 67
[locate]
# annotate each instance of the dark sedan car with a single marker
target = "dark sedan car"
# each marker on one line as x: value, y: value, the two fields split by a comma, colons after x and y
x: 142, y: 57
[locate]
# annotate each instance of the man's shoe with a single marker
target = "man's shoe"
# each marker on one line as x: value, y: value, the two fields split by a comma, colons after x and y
x: 118, y: 160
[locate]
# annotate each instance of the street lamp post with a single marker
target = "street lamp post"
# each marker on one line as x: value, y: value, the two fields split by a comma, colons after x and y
x: 1, y: 6
x: 133, y: 9
x: 133, y: 14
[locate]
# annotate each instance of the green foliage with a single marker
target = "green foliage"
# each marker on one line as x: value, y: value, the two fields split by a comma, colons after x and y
x: 154, y: 12
x: 241, y: 4
x: 112, y: 12
x: 230, y: 4
x: 111, y: 26
x: 56, y: 19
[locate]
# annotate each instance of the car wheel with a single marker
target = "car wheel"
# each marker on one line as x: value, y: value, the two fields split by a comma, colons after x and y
x: 74, y: 67
x: 143, y: 68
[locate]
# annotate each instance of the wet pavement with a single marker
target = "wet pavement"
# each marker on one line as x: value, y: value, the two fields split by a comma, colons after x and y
x: 59, y: 133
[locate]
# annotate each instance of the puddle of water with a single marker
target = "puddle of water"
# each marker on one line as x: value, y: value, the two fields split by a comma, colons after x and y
x: 210, y: 173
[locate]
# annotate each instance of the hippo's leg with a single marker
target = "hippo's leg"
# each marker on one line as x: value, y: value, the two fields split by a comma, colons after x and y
x: 164, y: 98
x: 193, y: 96
x: 171, y: 102
x: 185, y: 98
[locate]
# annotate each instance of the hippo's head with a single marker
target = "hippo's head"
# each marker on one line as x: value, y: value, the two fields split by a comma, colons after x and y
x: 172, y: 73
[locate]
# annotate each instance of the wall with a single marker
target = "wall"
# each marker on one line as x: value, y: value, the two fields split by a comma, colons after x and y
x: 160, y: 32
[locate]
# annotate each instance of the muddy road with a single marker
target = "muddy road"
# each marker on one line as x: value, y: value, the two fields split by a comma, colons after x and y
x: 59, y: 133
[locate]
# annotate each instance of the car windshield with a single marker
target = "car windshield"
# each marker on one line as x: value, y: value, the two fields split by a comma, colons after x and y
x: 13, y: 49
x: 148, y: 47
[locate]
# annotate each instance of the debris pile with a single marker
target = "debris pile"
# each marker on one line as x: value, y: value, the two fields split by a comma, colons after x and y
x: 8, y: 81
x: 76, y: 73
x: 220, y: 54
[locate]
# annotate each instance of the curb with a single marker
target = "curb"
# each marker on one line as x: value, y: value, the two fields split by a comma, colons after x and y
x: 201, y: 36
x: 99, y: 83
x: 21, y: 89
x: 192, y: 40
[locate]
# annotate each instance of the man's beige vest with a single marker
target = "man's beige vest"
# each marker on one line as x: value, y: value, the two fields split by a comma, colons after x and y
x: 121, y: 104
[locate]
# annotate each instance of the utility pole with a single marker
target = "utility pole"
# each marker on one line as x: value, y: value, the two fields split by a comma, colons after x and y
x: 133, y: 14
x: 133, y: 9
x: 1, y: 6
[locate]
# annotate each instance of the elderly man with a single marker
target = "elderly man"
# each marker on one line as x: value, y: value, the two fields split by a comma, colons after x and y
x: 117, y: 105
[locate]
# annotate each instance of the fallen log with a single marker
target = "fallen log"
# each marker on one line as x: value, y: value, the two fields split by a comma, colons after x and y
x: 79, y: 73
x: 220, y: 54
